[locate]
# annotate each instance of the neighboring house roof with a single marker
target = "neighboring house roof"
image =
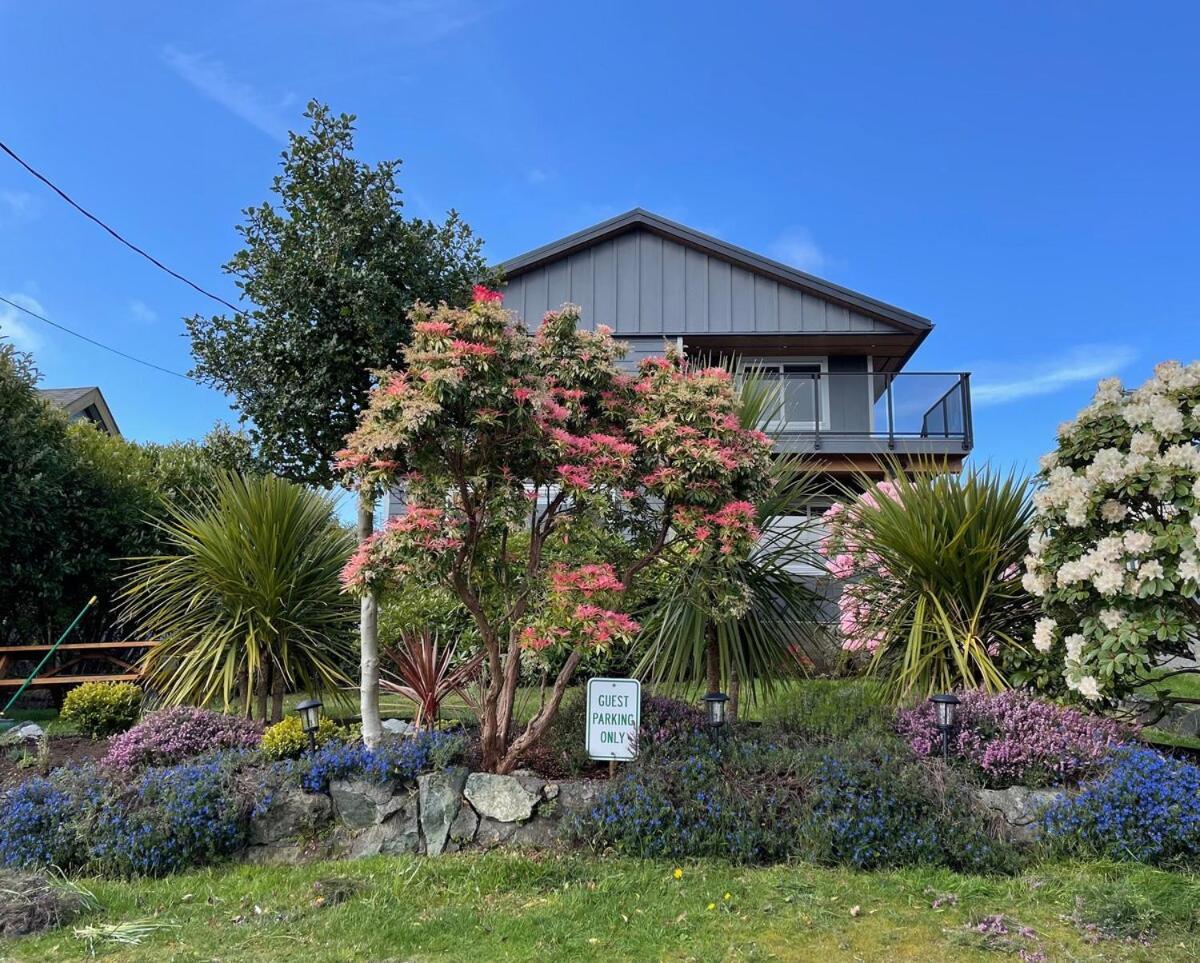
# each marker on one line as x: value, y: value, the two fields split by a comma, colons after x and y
x: 646, y: 275
x: 87, y: 403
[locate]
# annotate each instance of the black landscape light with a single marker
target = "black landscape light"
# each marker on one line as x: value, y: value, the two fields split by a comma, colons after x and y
x: 310, y: 719
x: 714, y: 706
x: 946, y: 706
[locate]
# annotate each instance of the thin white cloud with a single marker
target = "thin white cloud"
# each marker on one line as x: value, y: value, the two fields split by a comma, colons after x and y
x: 419, y: 21
x: 212, y: 78
x: 1085, y: 363
x: 799, y: 249
x: 16, y: 207
x: 18, y: 327
x: 536, y: 175
x: 141, y: 311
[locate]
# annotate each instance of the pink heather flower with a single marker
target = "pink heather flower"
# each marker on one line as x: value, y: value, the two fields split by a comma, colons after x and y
x: 484, y: 295
x: 522, y: 395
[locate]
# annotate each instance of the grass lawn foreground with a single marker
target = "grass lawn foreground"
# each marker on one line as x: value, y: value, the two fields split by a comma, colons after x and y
x: 503, y: 906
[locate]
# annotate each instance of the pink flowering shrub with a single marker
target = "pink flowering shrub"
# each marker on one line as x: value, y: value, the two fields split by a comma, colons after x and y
x: 847, y: 556
x: 1014, y: 739
x: 541, y: 479
x: 171, y: 735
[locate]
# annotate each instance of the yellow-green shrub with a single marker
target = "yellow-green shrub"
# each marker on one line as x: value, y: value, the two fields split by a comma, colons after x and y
x: 100, y: 709
x: 288, y: 740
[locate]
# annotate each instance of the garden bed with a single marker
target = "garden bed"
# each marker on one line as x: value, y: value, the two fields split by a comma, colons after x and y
x: 18, y: 763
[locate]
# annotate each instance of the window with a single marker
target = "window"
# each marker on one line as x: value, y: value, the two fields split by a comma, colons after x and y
x: 803, y: 391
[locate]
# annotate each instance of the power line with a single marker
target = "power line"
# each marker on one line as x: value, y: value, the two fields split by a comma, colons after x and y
x: 129, y: 244
x: 98, y: 344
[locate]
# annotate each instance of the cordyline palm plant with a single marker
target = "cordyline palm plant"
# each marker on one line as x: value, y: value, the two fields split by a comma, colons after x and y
x: 426, y: 674
x: 936, y: 586
x: 245, y: 603
x: 771, y: 634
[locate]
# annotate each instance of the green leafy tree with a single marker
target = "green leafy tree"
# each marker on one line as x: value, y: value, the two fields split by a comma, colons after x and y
x: 78, y: 501
x: 245, y: 600
x: 329, y: 268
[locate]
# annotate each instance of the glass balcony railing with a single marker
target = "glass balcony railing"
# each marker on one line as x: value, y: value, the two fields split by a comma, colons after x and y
x: 888, y: 407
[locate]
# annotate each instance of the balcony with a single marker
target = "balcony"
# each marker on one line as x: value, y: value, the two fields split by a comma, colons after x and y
x: 868, y: 413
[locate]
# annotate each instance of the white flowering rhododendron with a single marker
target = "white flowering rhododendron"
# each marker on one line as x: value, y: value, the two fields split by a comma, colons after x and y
x: 1114, y: 557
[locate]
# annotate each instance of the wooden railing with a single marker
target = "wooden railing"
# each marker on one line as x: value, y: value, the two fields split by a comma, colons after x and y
x: 75, y: 654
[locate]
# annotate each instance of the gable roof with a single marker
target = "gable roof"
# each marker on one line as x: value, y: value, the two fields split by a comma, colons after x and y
x: 756, y: 264
x: 87, y: 403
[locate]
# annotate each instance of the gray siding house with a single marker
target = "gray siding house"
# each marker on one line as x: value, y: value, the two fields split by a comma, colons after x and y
x: 839, y: 356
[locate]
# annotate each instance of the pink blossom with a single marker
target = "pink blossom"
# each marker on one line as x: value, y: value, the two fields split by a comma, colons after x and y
x: 484, y: 295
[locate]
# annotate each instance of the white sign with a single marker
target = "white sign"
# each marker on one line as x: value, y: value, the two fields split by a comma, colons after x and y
x: 614, y: 712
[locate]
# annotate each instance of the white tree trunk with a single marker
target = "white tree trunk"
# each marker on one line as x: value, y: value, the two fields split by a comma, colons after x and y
x: 368, y: 632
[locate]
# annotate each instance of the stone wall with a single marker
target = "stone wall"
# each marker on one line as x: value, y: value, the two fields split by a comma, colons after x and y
x: 445, y: 812
x: 455, y: 810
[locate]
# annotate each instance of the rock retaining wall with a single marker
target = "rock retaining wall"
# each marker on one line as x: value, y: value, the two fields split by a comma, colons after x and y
x: 445, y: 812
x: 455, y: 810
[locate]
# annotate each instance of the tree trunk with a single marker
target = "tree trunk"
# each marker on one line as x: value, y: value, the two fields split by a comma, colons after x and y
x: 261, y: 693
x: 368, y: 634
x: 276, y: 694
x: 735, y: 690
x: 541, y: 722
x: 712, y: 658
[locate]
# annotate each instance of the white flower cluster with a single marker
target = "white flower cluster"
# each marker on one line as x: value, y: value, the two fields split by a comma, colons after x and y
x: 1117, y: 514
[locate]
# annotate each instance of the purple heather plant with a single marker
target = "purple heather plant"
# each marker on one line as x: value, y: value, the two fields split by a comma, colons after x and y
x: 170, y: 736
x: 1014, y: 739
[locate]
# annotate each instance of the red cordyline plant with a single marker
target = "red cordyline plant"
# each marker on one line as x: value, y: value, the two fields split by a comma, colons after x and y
x: 541, y: 480
x: 427, y: 674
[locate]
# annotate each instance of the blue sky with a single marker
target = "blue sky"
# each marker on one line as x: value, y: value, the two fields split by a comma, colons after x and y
x: 1023, y: 174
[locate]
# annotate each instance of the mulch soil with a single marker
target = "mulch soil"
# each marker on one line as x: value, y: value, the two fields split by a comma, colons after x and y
x: 63, y: 750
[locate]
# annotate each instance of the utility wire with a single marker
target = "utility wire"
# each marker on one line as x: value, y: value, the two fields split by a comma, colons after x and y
x: 98, y: 344
x: 129, y: 244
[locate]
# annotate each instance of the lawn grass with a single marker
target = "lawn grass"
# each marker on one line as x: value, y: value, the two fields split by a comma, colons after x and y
x: 504, y: 906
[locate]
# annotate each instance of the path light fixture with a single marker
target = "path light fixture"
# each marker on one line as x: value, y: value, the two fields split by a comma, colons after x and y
x: 310, y: 720
x: 714, y: 707
x: 946, y: 706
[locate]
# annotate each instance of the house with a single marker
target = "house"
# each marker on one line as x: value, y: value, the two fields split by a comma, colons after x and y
x: 86, y: 403
x: 839, y: 356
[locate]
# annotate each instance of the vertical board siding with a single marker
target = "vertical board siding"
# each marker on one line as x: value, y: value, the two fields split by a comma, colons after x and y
x: 640, y: 283
x: 650, y: 273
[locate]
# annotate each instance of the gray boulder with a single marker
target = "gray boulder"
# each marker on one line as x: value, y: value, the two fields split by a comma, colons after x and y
x: 359, y: 803
x: 1018, y: 809
x: 441, y: 798
x: 291, y: 815
x: 25, y: 732
x: 399, y: 834
x: 575, y: 798
x: 501, y: 798
x: 493, y: 832
x: 463, y: 829
x: 399, y: 727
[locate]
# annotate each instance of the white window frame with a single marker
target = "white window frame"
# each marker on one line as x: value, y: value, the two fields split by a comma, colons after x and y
x: 778, y: 362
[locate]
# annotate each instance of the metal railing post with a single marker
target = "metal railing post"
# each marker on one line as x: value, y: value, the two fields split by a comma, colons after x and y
x: 817, y: 405
x: 891, y: 411
x: 964, y: 381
